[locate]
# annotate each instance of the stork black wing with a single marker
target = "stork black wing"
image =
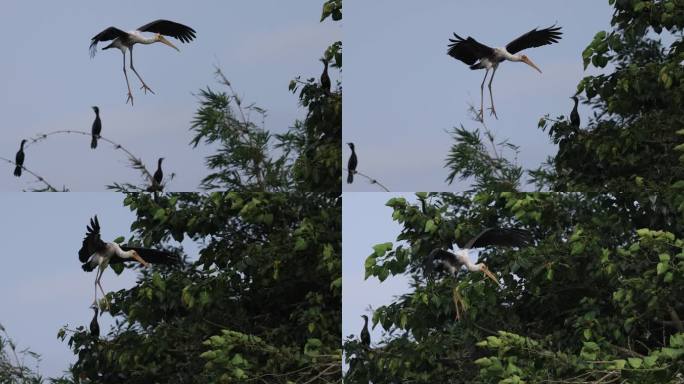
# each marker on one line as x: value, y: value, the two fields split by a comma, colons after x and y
x: 154, y: 256
x: 110, y: 33
x: 91, y: 242
x: 535, y: 38
x: 506, y: 237
x: 170, y: 28
x: 468, y: 50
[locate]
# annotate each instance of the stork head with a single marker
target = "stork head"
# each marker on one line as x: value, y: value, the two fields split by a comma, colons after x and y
x: 529, y: 62
x: 158, y: 37
x: 483, y: 268
x: 137, y: 257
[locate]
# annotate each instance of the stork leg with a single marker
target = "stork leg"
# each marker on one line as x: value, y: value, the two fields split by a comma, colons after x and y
x: 130, y: 95
x: 491, y: 96
x: 482, y: 95
x: 97, y: 278
x: 144, y: 86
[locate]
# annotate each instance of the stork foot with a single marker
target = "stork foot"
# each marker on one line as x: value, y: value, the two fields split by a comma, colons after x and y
x: 492, y: 112
x: 130, y: 98
x: 145, y: 88
x: 480, y: 116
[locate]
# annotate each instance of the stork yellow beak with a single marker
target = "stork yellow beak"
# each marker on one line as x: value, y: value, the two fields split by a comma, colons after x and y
x: 163, y: 40
x: 135, y: 256
x: 489, y: 274
x: 529, y: 62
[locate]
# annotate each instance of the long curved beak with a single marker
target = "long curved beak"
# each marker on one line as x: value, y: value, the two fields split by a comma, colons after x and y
x: 489, y: 274
x: 163, y: 40
x: 531, y: 64
x: 143, y: 262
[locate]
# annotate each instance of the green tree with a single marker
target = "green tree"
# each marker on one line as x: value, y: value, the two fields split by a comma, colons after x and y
x: 262, y: 302
x: 308, y: 154
x: 598, y: 298
x: 13, y: 367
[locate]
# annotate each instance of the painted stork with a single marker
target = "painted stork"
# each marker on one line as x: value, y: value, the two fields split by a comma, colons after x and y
x: 326, y: 84
x: 480, y: 56
x: 365, y: 335
x: 94, y: 326
x: 19, y: 159
x: 503, y: 237
x: 351, y: 165
x: 574, y: 115
x: 124, y: 41
x: 96, y: 253
x: 96, y: 129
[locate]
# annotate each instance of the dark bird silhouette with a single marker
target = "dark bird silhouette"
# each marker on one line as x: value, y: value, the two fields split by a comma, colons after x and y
x: 351, y: 165
x: 124, y: 41
x: 502, y: 237
x: 157, y: 178
x: 574, y: 115
x: 365, y: 335
x: 95, y: 253
x: 480, y: 56
x: 19, y: 159
x: 97, y: 128
x: 94, y: 326
x: 325, y: 78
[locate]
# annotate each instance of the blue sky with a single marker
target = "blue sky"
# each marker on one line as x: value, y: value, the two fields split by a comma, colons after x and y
x: 49, y: 81
x: 42, y: 285
x: 402, y: 92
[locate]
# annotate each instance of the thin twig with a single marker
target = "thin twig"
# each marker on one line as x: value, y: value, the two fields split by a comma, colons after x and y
x: 133, y: 158
x: 372, y: 180
x: 41, y: 179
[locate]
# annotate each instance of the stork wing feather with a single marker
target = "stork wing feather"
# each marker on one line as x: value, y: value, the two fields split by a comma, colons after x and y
x: 506, y: 237
x: 92, y: 242
x: 170, y: 28
x: 110, y: 33
x: 153, y: 256
x: 468, y: 50
x: 535, y: 38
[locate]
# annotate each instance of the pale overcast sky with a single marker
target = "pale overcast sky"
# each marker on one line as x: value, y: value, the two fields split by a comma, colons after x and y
x: 402, y: 91
x: 49, y: 81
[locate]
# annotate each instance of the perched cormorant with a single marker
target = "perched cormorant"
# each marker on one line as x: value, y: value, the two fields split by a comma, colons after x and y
x: 574, y: 115
x: 365, y: 335
x: 351, y: 165
x: 94, y: 326
x: 325, y: 79
x: 19, y: 159
x: 159, y: 174
x: 97, y: 128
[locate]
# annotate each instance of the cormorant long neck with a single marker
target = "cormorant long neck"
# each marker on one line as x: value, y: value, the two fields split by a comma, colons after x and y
x: 21, y: 147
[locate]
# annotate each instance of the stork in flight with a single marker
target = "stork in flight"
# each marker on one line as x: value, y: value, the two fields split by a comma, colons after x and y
x: 124, y: 41
x: 480, y: 56
x: 96, y: 253
x: 502, y: 237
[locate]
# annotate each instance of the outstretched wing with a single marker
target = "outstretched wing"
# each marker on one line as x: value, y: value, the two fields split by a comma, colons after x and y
x: 108, y: 34
x: 468, y: 50
x: 506, y: 237
x: 446, y: 258
x: 153, y: 256
x: 92, y: 242
x: 535, y: 38
x: 170, y: 28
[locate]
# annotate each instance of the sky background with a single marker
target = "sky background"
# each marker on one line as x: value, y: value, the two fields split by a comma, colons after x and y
x: 48, y: 82
x: 403, y: 93
x: 42, y: 285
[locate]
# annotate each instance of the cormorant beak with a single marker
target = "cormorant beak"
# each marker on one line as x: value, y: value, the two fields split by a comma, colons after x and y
x: 137, y: 257
x: 529, y: 62
x: 489, y: 274
x: 163, y: 40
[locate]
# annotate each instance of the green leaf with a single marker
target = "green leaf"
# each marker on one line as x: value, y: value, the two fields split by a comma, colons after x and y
x: 430, y: 226
x: 662, y: 268
x: 635, y: 362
